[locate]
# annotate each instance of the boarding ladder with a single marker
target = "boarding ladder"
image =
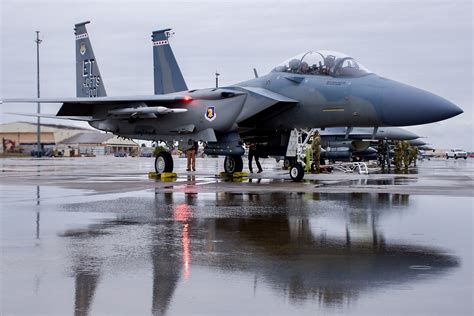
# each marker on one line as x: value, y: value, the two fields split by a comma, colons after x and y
x: 350, y: 167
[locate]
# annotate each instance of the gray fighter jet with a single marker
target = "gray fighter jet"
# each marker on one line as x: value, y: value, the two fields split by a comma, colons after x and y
x: 317, y: 89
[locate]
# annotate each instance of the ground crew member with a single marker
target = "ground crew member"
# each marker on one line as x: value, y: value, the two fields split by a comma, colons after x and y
x: 253, y: 154
x: 380, y: 154
x: 316, y: 147
x: 406, y: 154
x: 398, y: 155
x: 413, y: 155
x: 386, y: 150
x: 191, y: 155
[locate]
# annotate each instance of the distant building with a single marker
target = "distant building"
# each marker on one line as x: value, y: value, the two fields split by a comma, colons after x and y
x: 97, y: 144
x: 23, y: 134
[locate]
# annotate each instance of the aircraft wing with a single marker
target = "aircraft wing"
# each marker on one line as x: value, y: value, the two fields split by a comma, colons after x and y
x: 103, y: 100
x: 85, y: 107
x: 52, y: 116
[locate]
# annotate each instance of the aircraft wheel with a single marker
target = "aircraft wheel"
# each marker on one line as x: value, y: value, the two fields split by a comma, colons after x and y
x: 233, y: 164
x: 288, y: 162
x: 296, y: 172
x: 163, y: 162
x: 465, y: 158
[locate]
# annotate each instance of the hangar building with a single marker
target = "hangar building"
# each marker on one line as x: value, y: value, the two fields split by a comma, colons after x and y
x: 97, y: 144
x: 23, y: 134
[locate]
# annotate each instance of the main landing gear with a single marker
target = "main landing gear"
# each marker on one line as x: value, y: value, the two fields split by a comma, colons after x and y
x: 233, y: 164
x: 163, y: 162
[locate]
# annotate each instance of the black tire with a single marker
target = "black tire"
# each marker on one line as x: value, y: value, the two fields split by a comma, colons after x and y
x: 163, y: 162
x: 233, y: 164
x: 465, y: 158
x: 288, y: 162
x: 296, y: 172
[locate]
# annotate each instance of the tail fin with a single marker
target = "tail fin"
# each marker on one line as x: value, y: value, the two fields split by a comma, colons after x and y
x: 88, y: 80
x: 168, y: 77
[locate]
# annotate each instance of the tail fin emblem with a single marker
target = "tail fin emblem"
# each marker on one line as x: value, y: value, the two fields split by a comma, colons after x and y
x: 82, y: 48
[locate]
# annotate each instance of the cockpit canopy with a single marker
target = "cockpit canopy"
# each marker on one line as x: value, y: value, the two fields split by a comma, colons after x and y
x: 323, y: 63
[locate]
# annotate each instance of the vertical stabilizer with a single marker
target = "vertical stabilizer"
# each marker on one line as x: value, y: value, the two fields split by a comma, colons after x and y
x: 88, y: 80
x: 168, y: 77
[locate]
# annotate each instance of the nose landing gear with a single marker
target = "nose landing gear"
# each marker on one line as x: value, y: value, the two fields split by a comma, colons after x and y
x: 297, y: 172
x: 296, y: 152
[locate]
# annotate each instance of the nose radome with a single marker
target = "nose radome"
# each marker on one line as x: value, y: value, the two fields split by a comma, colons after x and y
x: 406, y: 105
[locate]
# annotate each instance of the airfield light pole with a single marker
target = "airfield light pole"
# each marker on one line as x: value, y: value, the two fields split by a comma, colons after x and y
x: 217, y: 79
x: 38, y: 128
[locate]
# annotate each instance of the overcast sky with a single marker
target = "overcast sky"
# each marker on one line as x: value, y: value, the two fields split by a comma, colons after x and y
x: 427, y: 44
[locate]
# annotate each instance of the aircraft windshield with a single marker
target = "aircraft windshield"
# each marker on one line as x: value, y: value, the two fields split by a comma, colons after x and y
x: 323, y: 63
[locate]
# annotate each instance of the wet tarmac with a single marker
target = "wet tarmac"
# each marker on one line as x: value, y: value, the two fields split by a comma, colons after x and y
x: 96, y: 236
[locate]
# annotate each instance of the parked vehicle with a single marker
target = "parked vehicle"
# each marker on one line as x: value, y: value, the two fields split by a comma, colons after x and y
x: 456, y: 153
x: 146, y: 154
x: 48, y: 152
x: 120, y: 154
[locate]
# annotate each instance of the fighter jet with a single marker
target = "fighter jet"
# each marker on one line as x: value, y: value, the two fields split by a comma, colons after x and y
x: 316, y: 89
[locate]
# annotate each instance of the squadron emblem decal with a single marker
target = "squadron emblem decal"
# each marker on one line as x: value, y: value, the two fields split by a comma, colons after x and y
x: 82, y: 48
x: 210, y: 113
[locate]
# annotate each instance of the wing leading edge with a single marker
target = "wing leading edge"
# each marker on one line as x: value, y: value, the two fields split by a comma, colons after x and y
x: 103, y: 100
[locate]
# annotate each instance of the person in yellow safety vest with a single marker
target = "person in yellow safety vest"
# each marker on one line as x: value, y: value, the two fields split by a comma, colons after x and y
x: 316, y: 147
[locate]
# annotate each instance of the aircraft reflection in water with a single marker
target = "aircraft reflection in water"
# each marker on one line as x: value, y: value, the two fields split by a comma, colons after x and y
x: 323, y: 247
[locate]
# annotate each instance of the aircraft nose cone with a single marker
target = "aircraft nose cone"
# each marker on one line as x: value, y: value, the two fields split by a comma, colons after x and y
x: 406, y: 105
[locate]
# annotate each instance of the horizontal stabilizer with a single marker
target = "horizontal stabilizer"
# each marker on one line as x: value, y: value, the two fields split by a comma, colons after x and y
x: 52, y: 116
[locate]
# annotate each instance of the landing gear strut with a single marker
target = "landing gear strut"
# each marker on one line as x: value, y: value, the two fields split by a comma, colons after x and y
x: 296, y: 152
x: 233, y: 164
x: 163, y: 162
